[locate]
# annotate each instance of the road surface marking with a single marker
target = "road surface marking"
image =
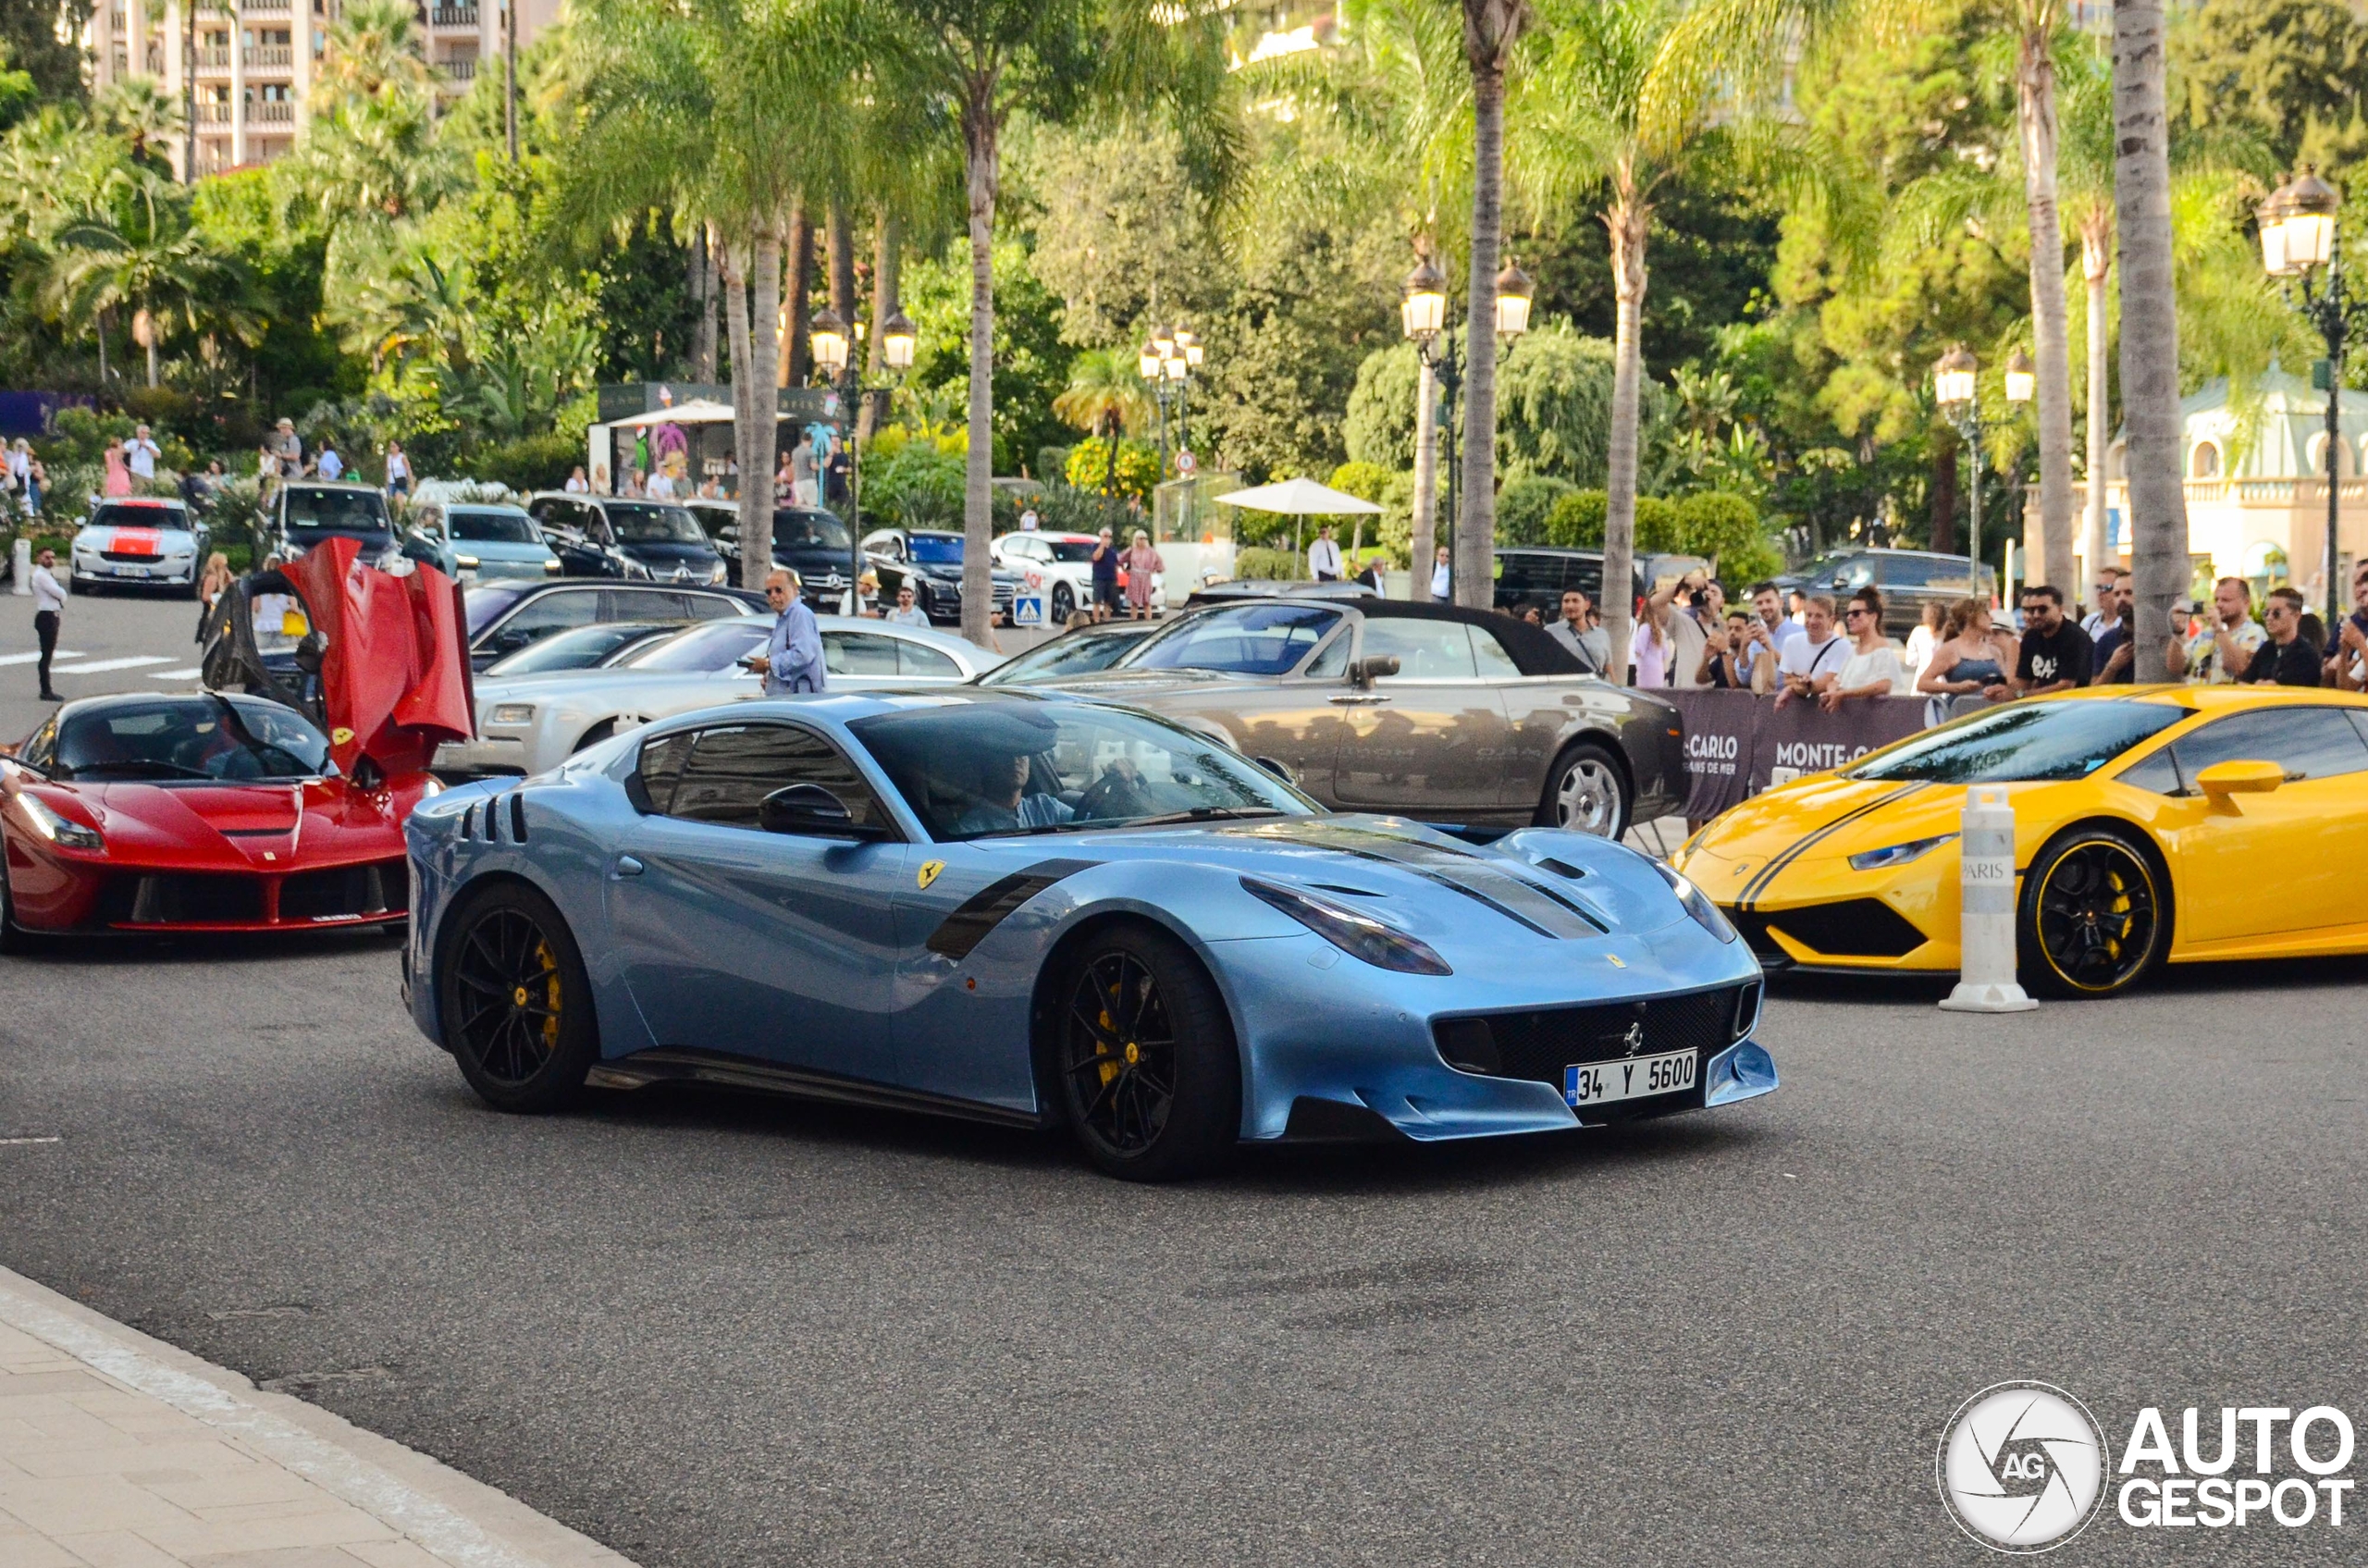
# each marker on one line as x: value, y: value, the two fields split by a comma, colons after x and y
x: 100, y: 667
x: 35, y: 657
x: 191, y: 674
x: 6, y: 1142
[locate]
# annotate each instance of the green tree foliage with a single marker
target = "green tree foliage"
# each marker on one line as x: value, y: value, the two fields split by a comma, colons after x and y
x: 1032, y: 362
x: 38, y: 39
x: 1576, y: 520
x: 1380, y: 427
x: 1121, y: 467
x: 1524, y: 505
x: 1367, y: 481
x: 2295, y: 72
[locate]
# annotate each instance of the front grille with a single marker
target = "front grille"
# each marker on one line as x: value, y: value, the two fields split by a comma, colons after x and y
x: 141, y: 555
x: 181, y: 899
x: 1540, y: 1045
x: 379, y: 887
x: 1854, y: 928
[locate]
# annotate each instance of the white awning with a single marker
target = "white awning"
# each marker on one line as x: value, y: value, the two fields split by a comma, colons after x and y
x: 1301, y: 498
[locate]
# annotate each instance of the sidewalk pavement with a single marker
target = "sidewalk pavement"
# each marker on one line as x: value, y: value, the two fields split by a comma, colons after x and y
x: 117, y: 1450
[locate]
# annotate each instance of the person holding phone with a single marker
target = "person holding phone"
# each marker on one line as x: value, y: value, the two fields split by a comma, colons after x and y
x: 792, y: 661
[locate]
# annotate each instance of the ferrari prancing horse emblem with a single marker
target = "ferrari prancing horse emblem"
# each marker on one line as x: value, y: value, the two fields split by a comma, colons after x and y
x: 929, y: 869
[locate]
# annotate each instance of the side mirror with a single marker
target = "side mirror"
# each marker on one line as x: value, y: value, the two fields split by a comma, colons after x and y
x: 2224, y: 779
x: 806, y: 809
x: 1279, y: 769
x: 1364, y: 672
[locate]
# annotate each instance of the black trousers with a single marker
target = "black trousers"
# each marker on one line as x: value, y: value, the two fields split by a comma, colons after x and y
x: 45, y: 628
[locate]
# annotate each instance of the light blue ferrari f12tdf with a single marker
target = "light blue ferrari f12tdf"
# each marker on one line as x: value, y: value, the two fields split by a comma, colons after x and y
x: 1047, y: 911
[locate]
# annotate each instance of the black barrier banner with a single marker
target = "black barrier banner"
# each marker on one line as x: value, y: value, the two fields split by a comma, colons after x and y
x: 1738, y: 744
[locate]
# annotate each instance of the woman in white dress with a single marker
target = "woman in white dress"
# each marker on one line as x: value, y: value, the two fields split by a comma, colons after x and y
x: 1874, y: 668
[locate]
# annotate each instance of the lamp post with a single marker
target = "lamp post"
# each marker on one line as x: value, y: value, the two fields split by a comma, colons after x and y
x: 1421, y: 312
x: 2297, y: 237
x: 1168, y: 361
x: 833, y: 345
x: 1956, y: 388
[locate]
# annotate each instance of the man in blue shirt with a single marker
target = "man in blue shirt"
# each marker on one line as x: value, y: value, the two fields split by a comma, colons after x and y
x: 793, y: 658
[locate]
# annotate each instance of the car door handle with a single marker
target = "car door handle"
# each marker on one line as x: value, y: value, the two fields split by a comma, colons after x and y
x: 627, y: 866
x: 1356, y: 699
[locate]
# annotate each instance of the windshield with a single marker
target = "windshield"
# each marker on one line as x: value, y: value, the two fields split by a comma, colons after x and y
x: 638, y: 523
x: 1077, y: 653
x: 1072, y: 549
x: 710, y: 647
x: 1242, y: 639
x: 504, y: 526
x: 809, y: 530
x: 482, y: 605
x: 351, y: 511
x: 2024, y: 743
x: 984, y: 768
x: 935, y: 549
x: 191, y: 737
x: 117, y: 516
x: 584, y: 647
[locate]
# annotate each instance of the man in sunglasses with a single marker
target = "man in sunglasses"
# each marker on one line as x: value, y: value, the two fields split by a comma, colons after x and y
x: 2056, y: 655
x: 2285, y: 659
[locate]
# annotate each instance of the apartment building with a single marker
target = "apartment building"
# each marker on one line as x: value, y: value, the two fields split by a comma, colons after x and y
x: 250, y: 64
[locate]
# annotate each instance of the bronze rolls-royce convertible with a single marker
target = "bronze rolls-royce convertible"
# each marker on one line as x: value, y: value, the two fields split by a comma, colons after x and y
x: 1431, y: 711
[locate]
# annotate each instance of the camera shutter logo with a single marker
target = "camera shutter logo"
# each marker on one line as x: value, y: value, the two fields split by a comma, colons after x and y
x: 2022, y: 1467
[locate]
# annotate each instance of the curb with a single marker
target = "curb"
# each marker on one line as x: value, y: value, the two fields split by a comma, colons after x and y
x: 455, y: 1518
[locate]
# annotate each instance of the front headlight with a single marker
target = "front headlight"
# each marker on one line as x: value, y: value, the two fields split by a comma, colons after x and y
x: 551, y: 565
x: 1697, y: 904
x: 510, y: 713
x: 720, y: 575
x: 1897, y: 854
x: 1352, y: 930
x: 58, y: 829
x: 465, y: 563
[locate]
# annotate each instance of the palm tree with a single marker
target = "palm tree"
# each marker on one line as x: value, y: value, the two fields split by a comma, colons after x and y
x: 1106, y: 394
x: 1491, y: 28
x: 370, y: 151
x: 145, y: 257
x: 2149, y: 323
x: 1631, y: 96
x: 984, y: 60
x: 140, y: 110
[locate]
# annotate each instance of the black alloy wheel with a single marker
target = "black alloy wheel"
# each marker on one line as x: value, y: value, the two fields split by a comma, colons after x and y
x: 516, y: 1005
x: 1063, y: 604
x: 1145, y: 1056
x: 2091, y: 919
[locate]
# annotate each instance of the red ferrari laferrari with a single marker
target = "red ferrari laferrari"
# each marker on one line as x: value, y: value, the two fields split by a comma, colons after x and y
x: 275, y: 800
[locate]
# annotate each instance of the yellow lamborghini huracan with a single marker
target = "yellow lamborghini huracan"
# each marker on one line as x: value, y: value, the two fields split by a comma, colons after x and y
x: 2153, y: 824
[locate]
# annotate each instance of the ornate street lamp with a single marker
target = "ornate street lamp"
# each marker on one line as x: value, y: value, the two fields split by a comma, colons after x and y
x: 2298, y: 238
x: 1423, y: 311
x: 2022, y: 377
x: 1515, y: 289
x: 898, y: 339
x: 833, y: 342
x: 828, y: 335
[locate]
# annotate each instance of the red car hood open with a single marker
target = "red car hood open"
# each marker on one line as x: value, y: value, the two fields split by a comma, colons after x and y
x: 261, y: 827
x: 395, y: 674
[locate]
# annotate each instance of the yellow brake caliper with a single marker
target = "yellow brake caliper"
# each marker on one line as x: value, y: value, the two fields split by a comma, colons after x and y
x: 544, y: 957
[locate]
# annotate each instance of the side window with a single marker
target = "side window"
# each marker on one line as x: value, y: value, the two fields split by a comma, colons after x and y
x: 1904, y: 572
x: 714, y: 606
x: 644, y: 604
x: 1332, y: 662
x: 659, y: 768
x: 545, y: 613
x: 913, y: 658
x: 1525, y: 573
x: 44, y: 746
x: 732, y: 769
x: 858, y: 653
x: 2309, y: 743
x: 1425, y: 649
x: 1490, y: 656
x: 2159, y: 774
x: 595, y: 524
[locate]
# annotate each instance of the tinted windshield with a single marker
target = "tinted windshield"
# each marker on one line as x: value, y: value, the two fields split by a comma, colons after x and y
x: 809, y: 530
x: 494, y: 527
x: 483, y: 604
x: 715, y: 645
x: 1077, y: 653
x: 191, y: 737
x: 351, y: 511
x: 1072, y: 549
x: 115, y: 517
x: 936, y: 550
x: 585, y: 647
x: 986, y: 768
x: 639, y: 523
x: 2024, y: 742
x: 1244, y: 639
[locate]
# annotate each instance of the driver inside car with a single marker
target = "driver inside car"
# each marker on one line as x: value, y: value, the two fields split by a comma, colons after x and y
x: 1003, y: 803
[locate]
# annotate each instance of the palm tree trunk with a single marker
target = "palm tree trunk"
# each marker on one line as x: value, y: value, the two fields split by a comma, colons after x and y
x: 753, y: 404
x: 151, y: 359
x: 2149, y: 323
x: 1423, y: 539
x: 2096, y: 266
x: 2035, y: 82
x: 1629, y: 222
x: 703, y: 289
x: 838, y: 249
x: 1475, y: 531
x: 887, y: 257
x: 796, y: 349
x: 979, y: 130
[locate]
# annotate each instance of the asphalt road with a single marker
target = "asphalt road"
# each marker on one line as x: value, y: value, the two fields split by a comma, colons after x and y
x: 716, y: 1330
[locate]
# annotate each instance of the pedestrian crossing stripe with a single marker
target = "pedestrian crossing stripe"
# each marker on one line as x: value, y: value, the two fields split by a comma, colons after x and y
x: 100, y: 666
x: 32, y: 657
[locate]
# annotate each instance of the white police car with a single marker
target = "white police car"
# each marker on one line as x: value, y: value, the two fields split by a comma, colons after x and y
x: 139, y: 541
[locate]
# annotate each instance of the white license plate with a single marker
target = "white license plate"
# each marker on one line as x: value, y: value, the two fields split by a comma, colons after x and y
x: 1600, y: 1083
x: 131, y: 571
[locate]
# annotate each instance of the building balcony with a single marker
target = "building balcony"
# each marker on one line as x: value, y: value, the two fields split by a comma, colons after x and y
x: 249, y: 7
x: 214, y: 114
x: 269, y: 54
x: 214, y: 59
x: 454, y: 16
x: 272, y: 111
x: 460, y: 68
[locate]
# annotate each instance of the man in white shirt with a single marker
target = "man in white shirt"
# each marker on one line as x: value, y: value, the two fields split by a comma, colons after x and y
x: 141, y: 455
x: 2223, y: 648
x: 1770, y: 606
x: 1324, y: 556
x: 803, y: 488
x: 2100, y: 605
x: 907, y: 613
x: 331, y: 466
x: 1442, y: 579
x: 1812, y: 661
x: 49, y: 606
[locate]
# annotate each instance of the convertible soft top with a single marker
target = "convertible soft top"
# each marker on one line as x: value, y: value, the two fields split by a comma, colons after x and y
x: 1533, y: 652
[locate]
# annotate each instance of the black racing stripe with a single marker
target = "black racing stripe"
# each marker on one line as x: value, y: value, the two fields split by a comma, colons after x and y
x: 1441, y: 867
x: 991, y: 905
x: 1759, y: 884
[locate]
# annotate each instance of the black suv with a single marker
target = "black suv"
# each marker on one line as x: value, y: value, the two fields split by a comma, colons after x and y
x: 1908, y: 580
x: 507, y: 616
x: 808, y: 540
x: 305, y: 512
x: 1537, y: 576
x: 932, y: 559
x: 612, y: 537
